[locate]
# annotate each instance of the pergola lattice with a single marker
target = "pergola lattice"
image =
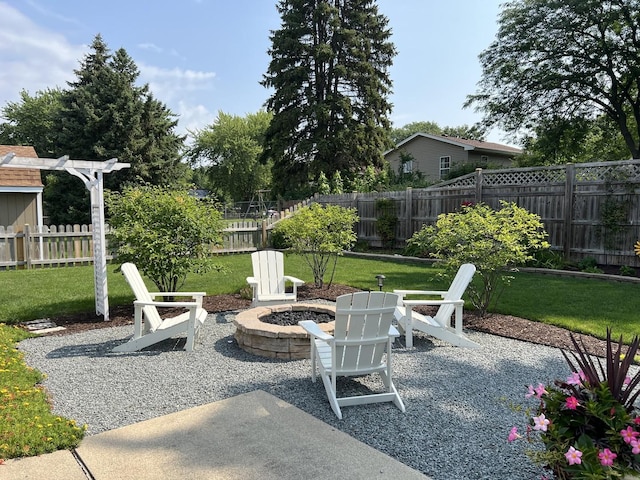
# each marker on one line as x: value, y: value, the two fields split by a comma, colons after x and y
x: 91, y: 174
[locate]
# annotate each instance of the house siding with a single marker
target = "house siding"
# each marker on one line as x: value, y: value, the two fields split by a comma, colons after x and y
x: 426, y: 153
x: 19, y: 190
x: 18, y: 209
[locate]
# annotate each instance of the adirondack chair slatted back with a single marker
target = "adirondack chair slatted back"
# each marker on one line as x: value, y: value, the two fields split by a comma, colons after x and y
x: 133, y: 277
x: 362, y: 329
x: 268, y: 268
x: 456, y: 290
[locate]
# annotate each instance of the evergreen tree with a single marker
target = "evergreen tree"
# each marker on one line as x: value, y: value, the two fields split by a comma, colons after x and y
x: 329, y: 72
x: 105, y: 115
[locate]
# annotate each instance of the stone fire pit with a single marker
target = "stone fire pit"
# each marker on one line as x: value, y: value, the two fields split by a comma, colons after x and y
x: 276, y: 341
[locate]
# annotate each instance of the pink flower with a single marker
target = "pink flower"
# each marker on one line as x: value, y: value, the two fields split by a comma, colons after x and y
x: 636, y: 420
x: 572, y: 403
x: 530, y: 393
x: 573, y: 456
x: 574, y: 379
x: 607, y: 457
x: 513, y: 434
x: 627, y: 380
x: 540, y: 423
x: 628, y: 434
x: 540, y: 390
x: 635, y: 446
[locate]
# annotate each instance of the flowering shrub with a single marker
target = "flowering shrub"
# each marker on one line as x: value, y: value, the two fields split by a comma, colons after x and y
x: 588, y: 423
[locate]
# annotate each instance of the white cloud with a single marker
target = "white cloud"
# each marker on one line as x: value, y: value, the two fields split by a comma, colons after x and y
x: 32, y: 58
x: 180, y: 89
x: 150, y: 46
x: 192, y: 117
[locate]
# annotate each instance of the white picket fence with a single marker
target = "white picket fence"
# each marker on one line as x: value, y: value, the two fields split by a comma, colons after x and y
x: 68, y: 245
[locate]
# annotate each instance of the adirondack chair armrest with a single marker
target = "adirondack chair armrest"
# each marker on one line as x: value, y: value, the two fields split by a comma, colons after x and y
x: 253, y: 281
x: 189, y: 305
x: 403, y: 293
x: 433, y: 302
x: 314, y: 330
x: 197, y: 296
x: 294, y: 280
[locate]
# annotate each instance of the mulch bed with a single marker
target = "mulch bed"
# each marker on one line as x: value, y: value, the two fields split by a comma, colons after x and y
x: 502, y: 325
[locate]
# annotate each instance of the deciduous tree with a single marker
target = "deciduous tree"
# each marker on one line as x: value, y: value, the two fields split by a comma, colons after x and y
x: 230, y: 149
x: 31, y: 121
x: 563, y: 59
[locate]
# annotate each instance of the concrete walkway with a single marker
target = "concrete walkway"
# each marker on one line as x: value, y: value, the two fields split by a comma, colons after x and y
x: 251, y: 436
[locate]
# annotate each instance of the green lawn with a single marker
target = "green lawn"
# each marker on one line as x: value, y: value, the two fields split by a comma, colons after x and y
x: 582, y: 305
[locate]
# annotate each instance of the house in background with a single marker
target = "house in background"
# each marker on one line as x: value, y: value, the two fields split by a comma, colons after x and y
x: 436, y: 155
x: 20, y: 191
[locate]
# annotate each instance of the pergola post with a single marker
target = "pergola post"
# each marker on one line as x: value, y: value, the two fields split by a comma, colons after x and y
x: 91, y: 174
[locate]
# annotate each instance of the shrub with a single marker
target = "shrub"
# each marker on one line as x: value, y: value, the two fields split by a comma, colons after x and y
x: 386, y: 222
x: 547, y: 258
x: 588, y: 422
x: 627, y: 271
x: 166, y: 233
x: 493, y: 240
x: 320, y: 234
x: 588, y: 264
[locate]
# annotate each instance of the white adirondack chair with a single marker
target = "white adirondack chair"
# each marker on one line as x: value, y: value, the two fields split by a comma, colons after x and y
x: 269, y: 281
x: 149, y: 328
x: 438, y: 326
x: 363, y: 333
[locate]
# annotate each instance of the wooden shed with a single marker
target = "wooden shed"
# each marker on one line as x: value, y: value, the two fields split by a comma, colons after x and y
x: 20, y: 191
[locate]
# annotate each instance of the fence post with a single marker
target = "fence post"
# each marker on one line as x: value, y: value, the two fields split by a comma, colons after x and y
x: 478, y: 185
x: 27, y: 245
x: 408, y: 202
x: 264, y: 233
x: 569, y: 182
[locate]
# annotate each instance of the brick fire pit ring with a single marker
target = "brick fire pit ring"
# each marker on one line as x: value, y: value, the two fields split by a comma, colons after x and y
x: 276, y: 341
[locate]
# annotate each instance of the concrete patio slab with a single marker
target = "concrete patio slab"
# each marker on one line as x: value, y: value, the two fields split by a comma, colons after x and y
x: 250, y: 436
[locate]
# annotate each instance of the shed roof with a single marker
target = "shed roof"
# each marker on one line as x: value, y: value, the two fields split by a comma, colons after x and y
x: 19, y: 177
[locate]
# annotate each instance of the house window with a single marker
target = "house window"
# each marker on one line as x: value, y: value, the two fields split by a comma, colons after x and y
x: 445, y: 166
x: 407, y: 167
x: 484, y: 159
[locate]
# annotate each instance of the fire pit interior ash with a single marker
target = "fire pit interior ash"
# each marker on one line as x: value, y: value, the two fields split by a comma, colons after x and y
x: 293, y: 317
x: 273, y: 331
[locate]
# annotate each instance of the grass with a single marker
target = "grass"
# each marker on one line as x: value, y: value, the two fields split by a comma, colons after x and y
x: 27, y: 426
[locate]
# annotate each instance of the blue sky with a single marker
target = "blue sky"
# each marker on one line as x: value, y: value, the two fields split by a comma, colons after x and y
x: 205, y: 56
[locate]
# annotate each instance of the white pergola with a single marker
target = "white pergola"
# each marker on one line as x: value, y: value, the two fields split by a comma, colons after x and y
x: 91, y: 174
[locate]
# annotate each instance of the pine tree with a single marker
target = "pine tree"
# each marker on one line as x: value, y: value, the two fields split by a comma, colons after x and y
x: 105, y: 115
x: 329, y: 72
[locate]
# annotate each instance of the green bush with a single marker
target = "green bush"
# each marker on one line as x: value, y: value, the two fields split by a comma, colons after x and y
x: 627, y: 271
x: 387, y: 221
x: 166, y: 233
x: 589, y: 265
x: 547, y: 258
x: 277, y: 240
x: 320, y: 234
x: 495, y: 241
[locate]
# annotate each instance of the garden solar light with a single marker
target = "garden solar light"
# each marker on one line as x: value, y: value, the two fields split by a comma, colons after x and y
x: 380, y: 281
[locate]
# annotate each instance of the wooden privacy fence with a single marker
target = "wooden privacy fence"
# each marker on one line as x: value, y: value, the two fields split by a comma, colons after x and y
x: 68, y: 245
x: 588, y: 209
